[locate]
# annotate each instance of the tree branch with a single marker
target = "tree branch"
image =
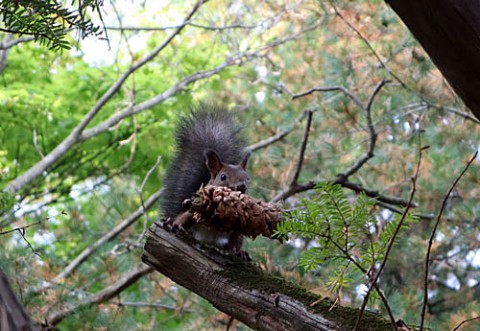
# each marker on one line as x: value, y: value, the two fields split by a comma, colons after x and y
x: 13, y: 316
x: 87, y: 252
x: 392, y: 239
x: 106, y: 294
x: 74, y: 136
x: 268, y: 141
x: 432, y: 236
x: 238, y: 288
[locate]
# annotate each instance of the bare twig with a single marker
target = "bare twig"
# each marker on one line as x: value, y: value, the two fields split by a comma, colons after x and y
x: 348, y: 256
x: 263, y: 23
x: 86, y: 253
x: 456, y: 112
x: 342, y: 178
x: 330, y: 89
x: 292, y: 190
x: 432, y: 236
x: 268, y: 141
x: 102, y: 296
x: 466, y: 321
x: 35, y: 144
x: 145, y: 214
x: 392, y: 238
x: 303, y: 147
x: 371, y: 129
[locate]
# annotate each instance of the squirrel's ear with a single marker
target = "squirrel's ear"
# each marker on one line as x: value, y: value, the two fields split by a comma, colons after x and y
x: 243, y: 164
x: 213, y: 161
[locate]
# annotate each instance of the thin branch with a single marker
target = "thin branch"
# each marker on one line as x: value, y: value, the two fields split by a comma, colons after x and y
x: 432, y: 236
x: 331, y: 89
x: 466, y: 321
x: 87, y: 252
x: 108, y: 236
x: 10, y: 43
x: 268, y: 141
x: 145, y: 214
x: 456, y: 112
x: 35, y: 144
x: 102, y: 296
x: 151, y: 305
x: 21, y: 228
x: 392, y: 238
x: 292, y: 190
x: 303, y: 147
x: 371, y: 129
x: 196, y: 25
x: 365, y: 271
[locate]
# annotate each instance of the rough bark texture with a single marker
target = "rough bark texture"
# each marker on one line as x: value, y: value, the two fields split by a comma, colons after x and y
x: 13, y: 316
x: 240, y: 289
x: 449, y: 31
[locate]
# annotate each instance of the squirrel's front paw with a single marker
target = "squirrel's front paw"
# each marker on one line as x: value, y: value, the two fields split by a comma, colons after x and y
x: 179, y: 223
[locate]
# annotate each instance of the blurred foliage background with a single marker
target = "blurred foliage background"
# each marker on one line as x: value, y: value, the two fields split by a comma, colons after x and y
x: 286, y: 48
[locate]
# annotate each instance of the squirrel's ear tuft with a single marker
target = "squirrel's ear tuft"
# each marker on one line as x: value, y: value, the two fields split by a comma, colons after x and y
x: 213, y: 162
x: 243, y: 164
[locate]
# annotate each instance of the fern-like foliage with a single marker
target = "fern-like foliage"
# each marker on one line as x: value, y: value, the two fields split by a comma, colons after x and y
x: 344, y: 231
x: 49, y: 21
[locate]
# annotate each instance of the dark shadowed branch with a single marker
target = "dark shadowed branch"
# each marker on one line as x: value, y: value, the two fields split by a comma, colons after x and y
x: 13, y: 316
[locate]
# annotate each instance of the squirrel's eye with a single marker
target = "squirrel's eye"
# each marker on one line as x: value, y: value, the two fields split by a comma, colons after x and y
x: 223, y: 177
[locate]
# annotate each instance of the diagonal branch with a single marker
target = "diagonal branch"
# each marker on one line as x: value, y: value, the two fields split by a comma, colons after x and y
x: 80, y: 134
x: 432, y: 236
x: 74, y: 136
x: 392, y: 239
x: 268, y: 141
x: 87, y: 252
x: 106, y: 294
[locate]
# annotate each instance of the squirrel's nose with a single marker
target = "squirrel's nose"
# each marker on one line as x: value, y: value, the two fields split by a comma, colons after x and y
x: 242, y: 188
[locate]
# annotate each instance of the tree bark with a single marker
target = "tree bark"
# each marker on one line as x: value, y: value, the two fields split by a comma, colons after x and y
x: 13, y: 316
x: 242, y: 290
x: 449, y: 31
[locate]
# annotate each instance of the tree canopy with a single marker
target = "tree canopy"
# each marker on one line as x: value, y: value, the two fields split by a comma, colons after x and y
x: 354, y: 132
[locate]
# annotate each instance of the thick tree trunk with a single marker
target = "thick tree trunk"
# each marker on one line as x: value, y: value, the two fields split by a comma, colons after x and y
x: 449, y: 31
x: 242, y: 290
x: 13, y: 316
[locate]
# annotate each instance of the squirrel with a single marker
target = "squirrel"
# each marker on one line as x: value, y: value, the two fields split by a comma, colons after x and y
x: 210, y: 150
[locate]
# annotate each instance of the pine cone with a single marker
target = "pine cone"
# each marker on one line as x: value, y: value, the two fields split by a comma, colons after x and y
x: 226, y: 211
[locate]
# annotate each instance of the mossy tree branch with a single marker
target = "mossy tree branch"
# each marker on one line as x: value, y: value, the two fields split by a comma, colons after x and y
x: 260, y: 300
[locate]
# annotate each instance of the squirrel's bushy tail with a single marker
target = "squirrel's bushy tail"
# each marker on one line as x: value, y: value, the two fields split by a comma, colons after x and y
x: 206, y: 127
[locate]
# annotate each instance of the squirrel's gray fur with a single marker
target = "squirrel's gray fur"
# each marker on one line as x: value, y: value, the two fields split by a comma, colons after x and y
x: 204, y: 128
